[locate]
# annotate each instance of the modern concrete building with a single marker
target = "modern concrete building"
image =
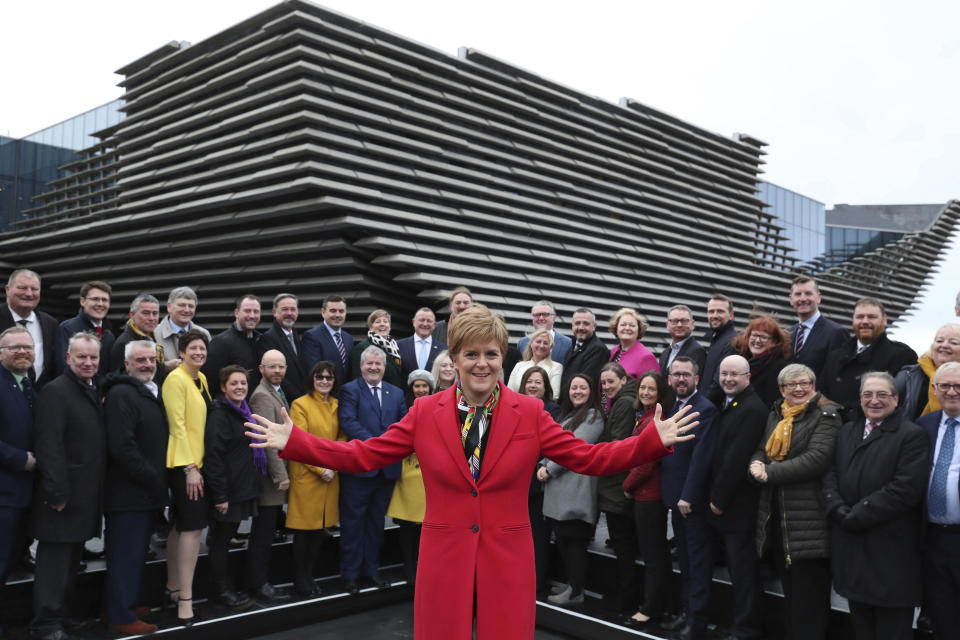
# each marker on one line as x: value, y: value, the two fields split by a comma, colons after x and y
x: 302, y: 150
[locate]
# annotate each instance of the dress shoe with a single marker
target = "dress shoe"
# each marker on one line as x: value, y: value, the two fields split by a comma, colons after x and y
x: 87, y: 554
x: 566, y: 598
x: 381, y: 583
x: 351, y: 587
x: 186, y: 622
x: 279, y: 537
x: 232, y: 600
x: 671, y: 623
x: 312, y: 592
x: 560, y: 588
x: 143, y: 612
x: 135, y: 628
x: 270, y: 594
x: 687, y: 632
x: 59, y: 634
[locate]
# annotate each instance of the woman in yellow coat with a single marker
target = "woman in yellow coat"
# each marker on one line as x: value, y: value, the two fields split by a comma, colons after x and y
x: 409, y: 502
x: 314, y: 491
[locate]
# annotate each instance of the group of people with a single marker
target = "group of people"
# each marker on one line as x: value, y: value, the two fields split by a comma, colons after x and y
x: 806, y: 452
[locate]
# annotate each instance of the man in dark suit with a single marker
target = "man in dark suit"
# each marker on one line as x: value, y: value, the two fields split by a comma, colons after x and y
x: 282, y: 336
x: 328, y: 340
x: 868, y: 350
x: 874, y: 494
x: 543, y: 316
x: 367, y: 407
x: 144, y: 316
x: 733, y: 500
x: 94, y: 305
x: 814, y: 335
x: 421, y: 349
x: 71, y: 451
x: 17, y: 460
x: 460, y: 299
x: 680, y: 326
x: 683, y: 477
x: 23, y: 296
x: 237, y: 344
x: 941, y: 547
x: 136, y: 486
x: 588, y: 353
x: 721, y: 332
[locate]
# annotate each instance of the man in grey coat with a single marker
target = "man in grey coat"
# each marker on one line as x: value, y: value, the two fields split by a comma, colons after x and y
x: 267, y: 400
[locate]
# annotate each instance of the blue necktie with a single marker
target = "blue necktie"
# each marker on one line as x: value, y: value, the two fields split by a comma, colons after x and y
x: 937, y: 503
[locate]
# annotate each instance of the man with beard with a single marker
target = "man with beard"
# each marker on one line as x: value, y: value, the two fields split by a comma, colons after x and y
x: 136, y: 487
x: 814, y: 335
x: 181, y: 307
x: 282, y: 336
x: 868, y: 350
x: 23, y: 296
x: 94, y: 305
x: 682, y: 481
x: 588, y: 353
x: 237, y: 344
x: 721, y: 332
x: 71, y: 450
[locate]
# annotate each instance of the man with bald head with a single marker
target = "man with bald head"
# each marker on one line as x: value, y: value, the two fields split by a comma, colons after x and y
x: 268, y: 400
x: 733, y: 506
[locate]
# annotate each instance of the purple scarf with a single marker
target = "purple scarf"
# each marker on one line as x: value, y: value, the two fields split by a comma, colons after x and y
x: 259, y: 455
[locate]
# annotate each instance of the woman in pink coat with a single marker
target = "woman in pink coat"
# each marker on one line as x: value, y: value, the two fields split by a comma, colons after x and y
x: 629, y: 326
x: 478, y: 444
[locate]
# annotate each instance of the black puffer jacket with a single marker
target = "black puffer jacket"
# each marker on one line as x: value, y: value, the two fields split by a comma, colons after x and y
x: 227, y: 457
x: 796, y: 482
x: 619, y: 425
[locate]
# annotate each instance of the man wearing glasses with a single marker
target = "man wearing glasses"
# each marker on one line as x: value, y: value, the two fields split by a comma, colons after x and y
x: 868, y: 350
x: 733, y: 501
x: 680, y: 326
x: 543, y: 316
x: 941, y: 545
x: 94, y: 305
x: 873, y: 494
x: 16, y: 444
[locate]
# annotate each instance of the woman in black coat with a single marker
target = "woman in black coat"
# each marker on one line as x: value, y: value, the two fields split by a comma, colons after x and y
x: 874, y: 495
x: 232, y: 478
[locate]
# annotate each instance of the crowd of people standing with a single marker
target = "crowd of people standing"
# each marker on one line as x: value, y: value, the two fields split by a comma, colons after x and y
x: 828, y: 451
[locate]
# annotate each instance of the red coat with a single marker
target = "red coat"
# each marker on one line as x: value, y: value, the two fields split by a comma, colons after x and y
x: 476, y: 532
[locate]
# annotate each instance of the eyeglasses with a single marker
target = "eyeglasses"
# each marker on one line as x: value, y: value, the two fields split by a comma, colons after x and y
x: 879, y: 395
x: 681, y: 376
x: 759, y: 337
x: 800, y: 384
x: 19, y: 347
x: 732, y: 374
x: 948, y: 386
x: 321, y: 376
x: 543, y: 314
x: 680, y: 321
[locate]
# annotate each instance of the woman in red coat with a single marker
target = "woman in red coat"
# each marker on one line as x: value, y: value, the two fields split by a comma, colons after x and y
x: 478, y: 444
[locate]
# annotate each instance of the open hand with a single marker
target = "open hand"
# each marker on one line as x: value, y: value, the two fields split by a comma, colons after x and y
x: 269, y: 434
x: 675, y: 428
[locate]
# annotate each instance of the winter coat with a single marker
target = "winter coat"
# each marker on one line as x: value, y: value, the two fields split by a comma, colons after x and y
x: 266, y: 402
x: 840, y: 379
x: 569, y: 495
x: 313, y: 503
x: 796, y: 482
x: 228, y: 469
x: 620, y: 423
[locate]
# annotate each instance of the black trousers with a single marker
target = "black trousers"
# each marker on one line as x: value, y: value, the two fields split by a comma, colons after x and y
x: 258, y: 545
x: 13, y: 532
x: 806, y: 590
x: 573, y: 536
x: 127, y: 538
x: 650, y: 519
x: 744, y: 567
x: 883, y: 623
x: 218, y: 552
x: 623, y: 537
x: 306, y: 551
x: 409, y: 548
x: 540, y: 529
x: 941, y: 575
x: 53, y: 587
x: 680, y: 525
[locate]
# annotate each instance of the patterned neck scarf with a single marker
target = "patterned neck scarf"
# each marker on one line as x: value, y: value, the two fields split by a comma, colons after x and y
x: 778, y: 446
x: 388, y: 344
x: 148, y: 336
x: 259, y: 455
x: 475, y: 426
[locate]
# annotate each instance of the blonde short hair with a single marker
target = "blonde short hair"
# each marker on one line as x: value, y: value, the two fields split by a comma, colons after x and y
x: 641, y: 321
x: 476, y: 325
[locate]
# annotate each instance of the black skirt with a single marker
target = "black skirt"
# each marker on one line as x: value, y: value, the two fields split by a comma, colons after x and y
x: 186, y: 514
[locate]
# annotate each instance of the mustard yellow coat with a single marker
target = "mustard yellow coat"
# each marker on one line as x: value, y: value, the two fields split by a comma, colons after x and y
x: 186, y: 417
x: 409, y: 502
x: 313, y: 503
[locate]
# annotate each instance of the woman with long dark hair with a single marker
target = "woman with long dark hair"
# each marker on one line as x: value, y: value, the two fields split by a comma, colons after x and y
x: 570, y: 499
x: 649, y: 513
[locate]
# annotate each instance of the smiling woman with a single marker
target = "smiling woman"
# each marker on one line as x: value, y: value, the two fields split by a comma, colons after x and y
x: 477, y: 444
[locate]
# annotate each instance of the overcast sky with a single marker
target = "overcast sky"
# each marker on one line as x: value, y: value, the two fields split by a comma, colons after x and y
x: 858, y: 101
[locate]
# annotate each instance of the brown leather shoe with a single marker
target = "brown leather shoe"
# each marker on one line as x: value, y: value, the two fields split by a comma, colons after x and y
x: 143, y: 612
x: 135, y: 628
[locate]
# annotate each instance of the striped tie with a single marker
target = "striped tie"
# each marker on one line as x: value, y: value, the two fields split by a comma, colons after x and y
x: 800, y: 331
x: 340, y: 348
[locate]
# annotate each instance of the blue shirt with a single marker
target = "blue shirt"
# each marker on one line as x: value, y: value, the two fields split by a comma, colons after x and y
x: 953, y: 498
